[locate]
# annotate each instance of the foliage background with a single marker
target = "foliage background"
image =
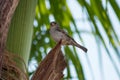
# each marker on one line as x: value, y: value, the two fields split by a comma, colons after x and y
x: 94, y: 24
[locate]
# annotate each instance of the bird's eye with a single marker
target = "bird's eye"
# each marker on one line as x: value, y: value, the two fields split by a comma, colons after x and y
x: 53, y: 23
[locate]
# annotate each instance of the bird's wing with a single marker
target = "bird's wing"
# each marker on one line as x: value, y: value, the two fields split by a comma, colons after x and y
x: 60, y: 30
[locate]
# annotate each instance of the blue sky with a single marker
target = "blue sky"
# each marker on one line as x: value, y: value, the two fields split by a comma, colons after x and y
x: 100, y: 67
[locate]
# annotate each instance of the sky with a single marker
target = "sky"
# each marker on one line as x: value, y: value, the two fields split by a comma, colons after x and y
x: 100, y: 66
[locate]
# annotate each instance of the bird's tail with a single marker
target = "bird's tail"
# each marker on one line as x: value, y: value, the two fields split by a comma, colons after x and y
x: 79, y: 46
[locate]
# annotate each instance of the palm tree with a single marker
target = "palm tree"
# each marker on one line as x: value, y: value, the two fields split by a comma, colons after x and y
x: 92, y: 22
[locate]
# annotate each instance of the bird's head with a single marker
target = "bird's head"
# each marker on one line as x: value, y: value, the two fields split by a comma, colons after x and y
x: 54, y: 24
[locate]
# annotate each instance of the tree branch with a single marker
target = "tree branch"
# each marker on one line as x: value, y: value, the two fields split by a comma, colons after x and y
x: 7, y: 8
x: 52, y: 65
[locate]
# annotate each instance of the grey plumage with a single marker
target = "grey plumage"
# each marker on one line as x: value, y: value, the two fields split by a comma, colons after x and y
x: 57, y: 34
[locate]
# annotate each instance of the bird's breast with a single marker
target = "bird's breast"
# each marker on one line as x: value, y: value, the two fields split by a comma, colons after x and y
x: 56, y: 35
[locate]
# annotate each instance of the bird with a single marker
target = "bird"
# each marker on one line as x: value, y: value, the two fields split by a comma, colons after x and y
x: 58, y: 34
